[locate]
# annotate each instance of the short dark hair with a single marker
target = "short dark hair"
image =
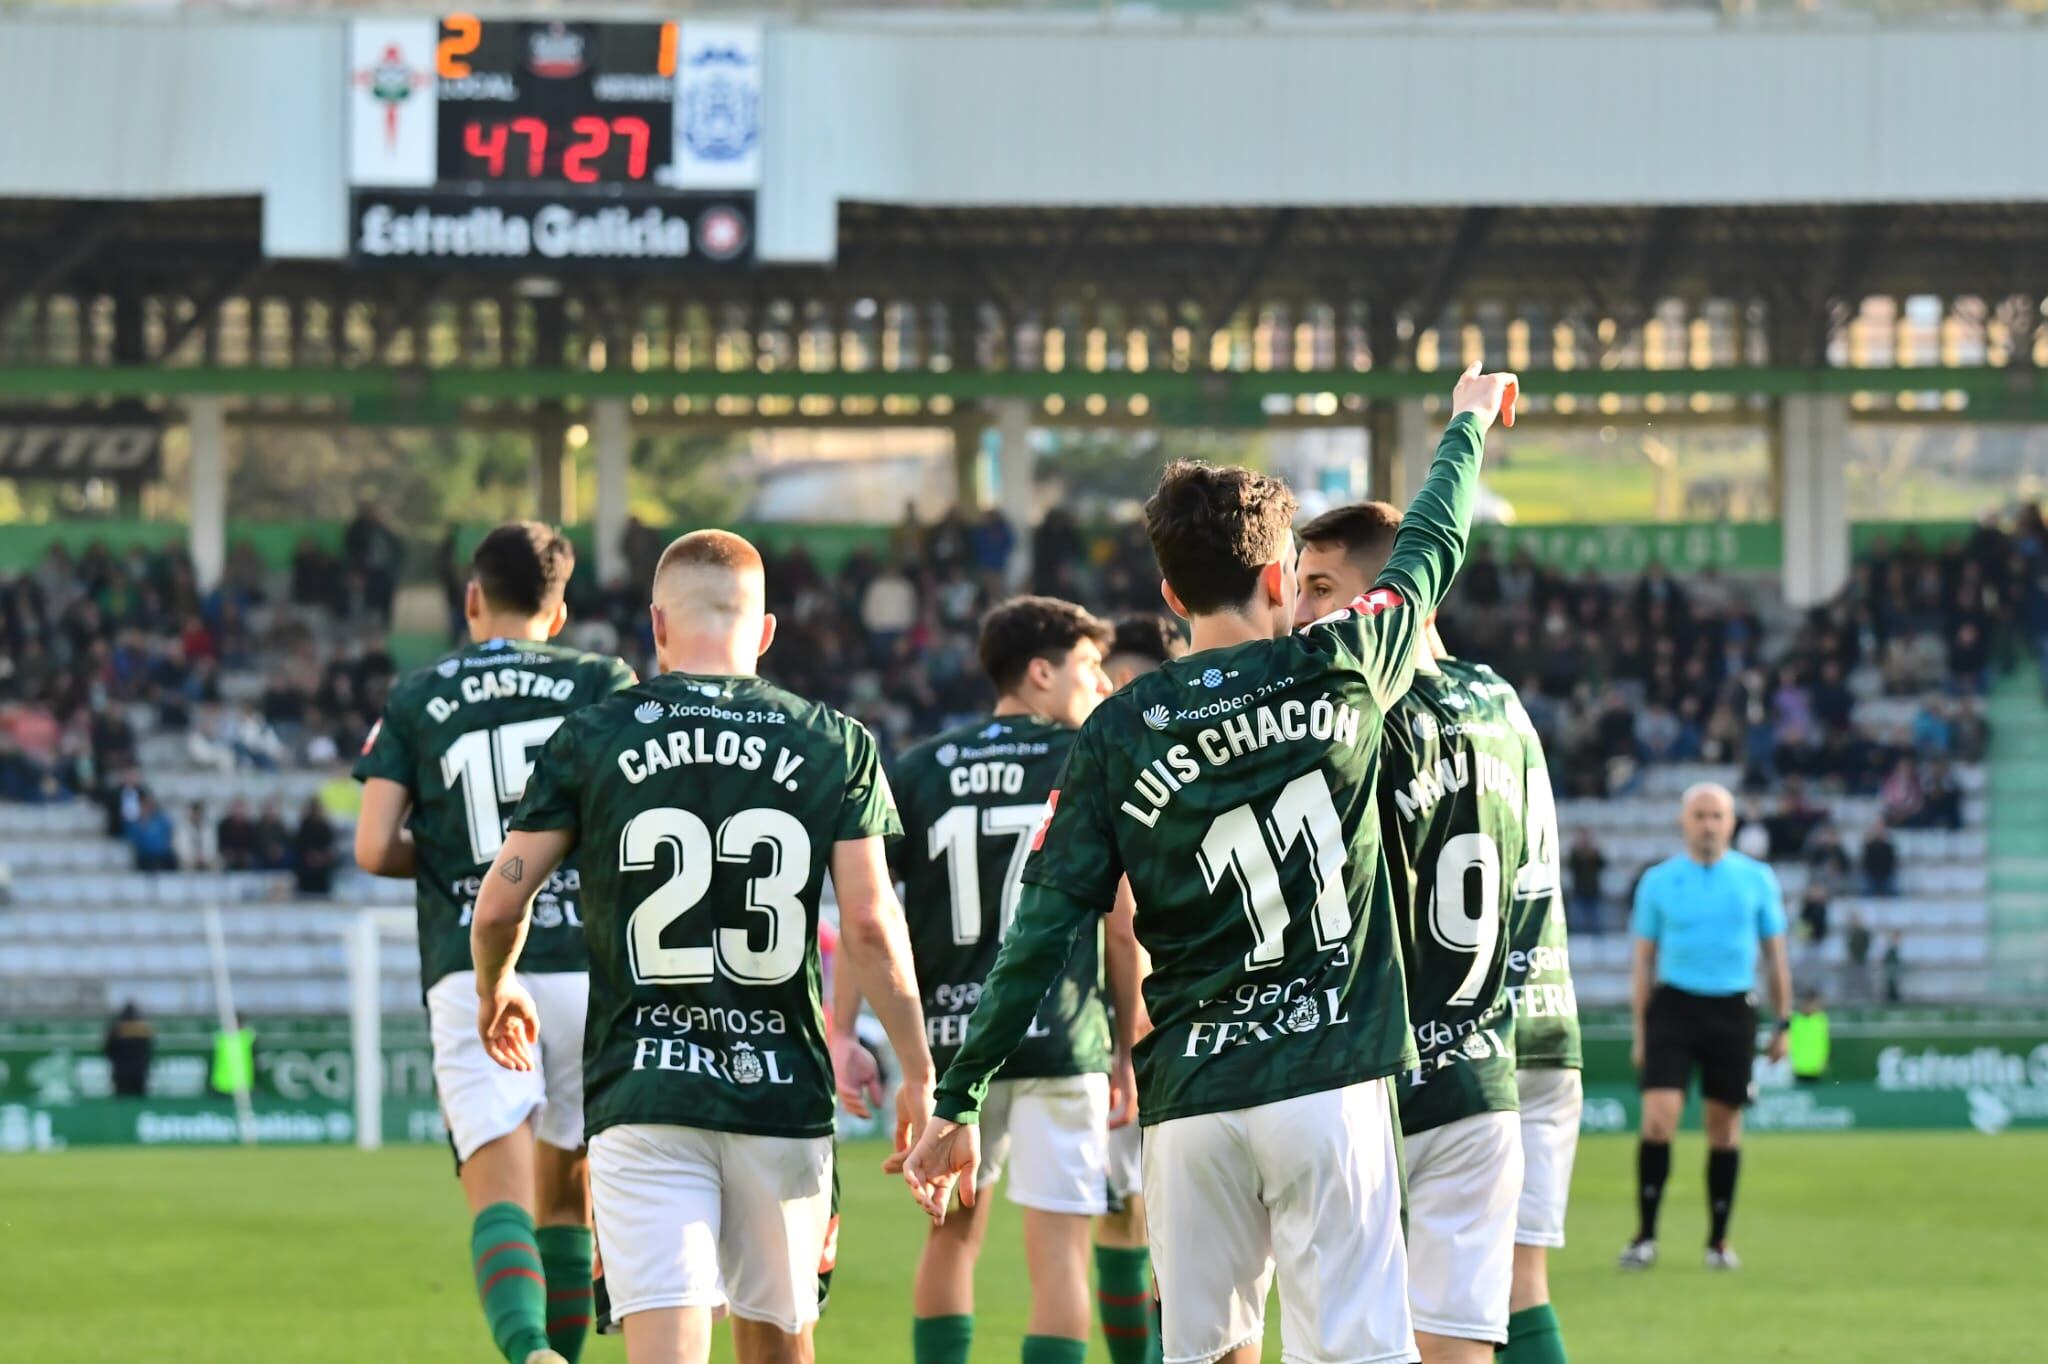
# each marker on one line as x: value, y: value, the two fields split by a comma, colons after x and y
x: 1023, y: 628
x: 523, y: 566
x: 1213, y: 528
x: 1149, y: 635
x: 1363, y: 530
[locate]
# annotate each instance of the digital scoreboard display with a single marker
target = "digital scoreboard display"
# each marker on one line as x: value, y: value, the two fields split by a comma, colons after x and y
x: 555, y: 104
x: 549, y: 140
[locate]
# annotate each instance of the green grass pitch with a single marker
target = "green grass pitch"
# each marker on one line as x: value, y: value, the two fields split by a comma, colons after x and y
x: 1856, y: 1248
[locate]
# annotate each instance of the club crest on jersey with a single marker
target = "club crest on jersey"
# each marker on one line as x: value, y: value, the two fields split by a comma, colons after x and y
x: 448, y: 667
x: 1212, y: 677
x: 947, y: 754
x: 647, y: 712
x: 745, y: 1064
x: 1305, y: 1016
x: 1157, y: 716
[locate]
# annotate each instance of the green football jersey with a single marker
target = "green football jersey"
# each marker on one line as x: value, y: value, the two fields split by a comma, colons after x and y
x: 1237, y: 787
x: 971, y: 799
x: 460, y: 736
x: 1451, y: 809
x: 714, y: 804
x: 1539, y: 987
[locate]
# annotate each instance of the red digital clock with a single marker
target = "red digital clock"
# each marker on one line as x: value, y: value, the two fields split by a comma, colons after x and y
x: 554, y: 105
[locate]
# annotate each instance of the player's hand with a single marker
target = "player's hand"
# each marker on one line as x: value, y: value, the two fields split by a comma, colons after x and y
x: 509, y: 1024
x: 858, y: 1076
x: 913, y: 1115
x: 1486, y: 396
x: 1635, y: 1051
x: 946, y: 1156
x: 1123, y: 1091
x: 1779, y: 1045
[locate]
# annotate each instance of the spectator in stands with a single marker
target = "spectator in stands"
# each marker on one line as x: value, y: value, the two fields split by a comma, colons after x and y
x: 1793, y: 824
x: 122, y: 800
x: 1752, y: 833
x: 1880, y: 858
x: 1827, y: 862
x: 1900, y: 797
x: 129, y: 1048
x: 153, y: 837
x: 1933, y: 734
x: 235, y: 838
x: 1587, y: 865
x: 371, y: 547
x: 1856, y: 947
x: 888, y: 608
x: 1972, y: 737
x: 195, y: 842
x: 273, y: 840
x: 1894, y: 967
x: 313, y: 855
x: 1941, y: 799
x: 1813, y: 921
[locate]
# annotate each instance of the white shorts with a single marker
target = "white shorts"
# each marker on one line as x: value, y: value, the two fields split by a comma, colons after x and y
x: 482, y: 1101
x: 1054, y: 1136
x: 1552, y: 1101
x: 1126, y: 1163
x: 1463, y: 1182
x: 1310, y: 1184
x: 690, y: 1218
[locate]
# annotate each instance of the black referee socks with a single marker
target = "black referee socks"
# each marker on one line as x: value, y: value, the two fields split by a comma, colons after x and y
x: 1653, y: 1167
x: 1722, y: 1167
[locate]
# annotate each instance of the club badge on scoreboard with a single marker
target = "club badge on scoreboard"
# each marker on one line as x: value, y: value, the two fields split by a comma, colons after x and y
x: 392, y: 102
x: 718, y: 107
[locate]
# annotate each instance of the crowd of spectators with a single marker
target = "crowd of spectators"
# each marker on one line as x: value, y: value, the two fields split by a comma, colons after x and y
x: 1616, y: 674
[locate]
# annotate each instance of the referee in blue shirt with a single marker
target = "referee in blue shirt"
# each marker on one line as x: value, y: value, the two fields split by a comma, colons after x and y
x: 1701, y: 920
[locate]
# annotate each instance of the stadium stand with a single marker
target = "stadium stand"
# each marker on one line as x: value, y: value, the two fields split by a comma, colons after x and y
x: 1855, y: 725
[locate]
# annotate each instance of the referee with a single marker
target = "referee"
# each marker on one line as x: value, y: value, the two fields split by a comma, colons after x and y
x: 1700, y: 920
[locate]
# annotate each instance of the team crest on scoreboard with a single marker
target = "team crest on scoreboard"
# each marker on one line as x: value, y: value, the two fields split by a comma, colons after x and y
x: 718, y: 106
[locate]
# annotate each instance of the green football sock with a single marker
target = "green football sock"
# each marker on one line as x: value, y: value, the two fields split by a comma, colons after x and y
x: 1054, y: 1350
x: 940, y: 1340
x: 565, y: 1251
x: 1123, y: 1292
x: 509, y: 1279
x: 1534, y: 1337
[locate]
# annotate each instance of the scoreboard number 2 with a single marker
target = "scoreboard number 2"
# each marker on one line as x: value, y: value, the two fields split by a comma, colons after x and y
x: 464, y: 32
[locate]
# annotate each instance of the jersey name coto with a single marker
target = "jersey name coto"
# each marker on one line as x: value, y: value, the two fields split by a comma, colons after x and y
x: 1324, y: 720
x: 723, y: 747
x: 1453, y: 773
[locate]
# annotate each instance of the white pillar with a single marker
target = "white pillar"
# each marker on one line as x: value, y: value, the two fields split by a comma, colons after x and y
x: 1415, y: 447
x: 1016, y: 490
x: 1813, y: 495
x: 206, y: 430
x: 610, y: 432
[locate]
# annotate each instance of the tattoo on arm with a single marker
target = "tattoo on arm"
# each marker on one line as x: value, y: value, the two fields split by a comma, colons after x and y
x: 514, y: 870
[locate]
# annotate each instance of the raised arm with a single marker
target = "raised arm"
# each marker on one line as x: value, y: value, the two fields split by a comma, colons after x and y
x: 1430, y: 545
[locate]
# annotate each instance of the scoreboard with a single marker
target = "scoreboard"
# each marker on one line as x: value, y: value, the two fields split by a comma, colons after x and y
x: 550, y: 144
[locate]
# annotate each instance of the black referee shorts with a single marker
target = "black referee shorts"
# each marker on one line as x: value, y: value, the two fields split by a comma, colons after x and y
x: 1715, y: 1033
